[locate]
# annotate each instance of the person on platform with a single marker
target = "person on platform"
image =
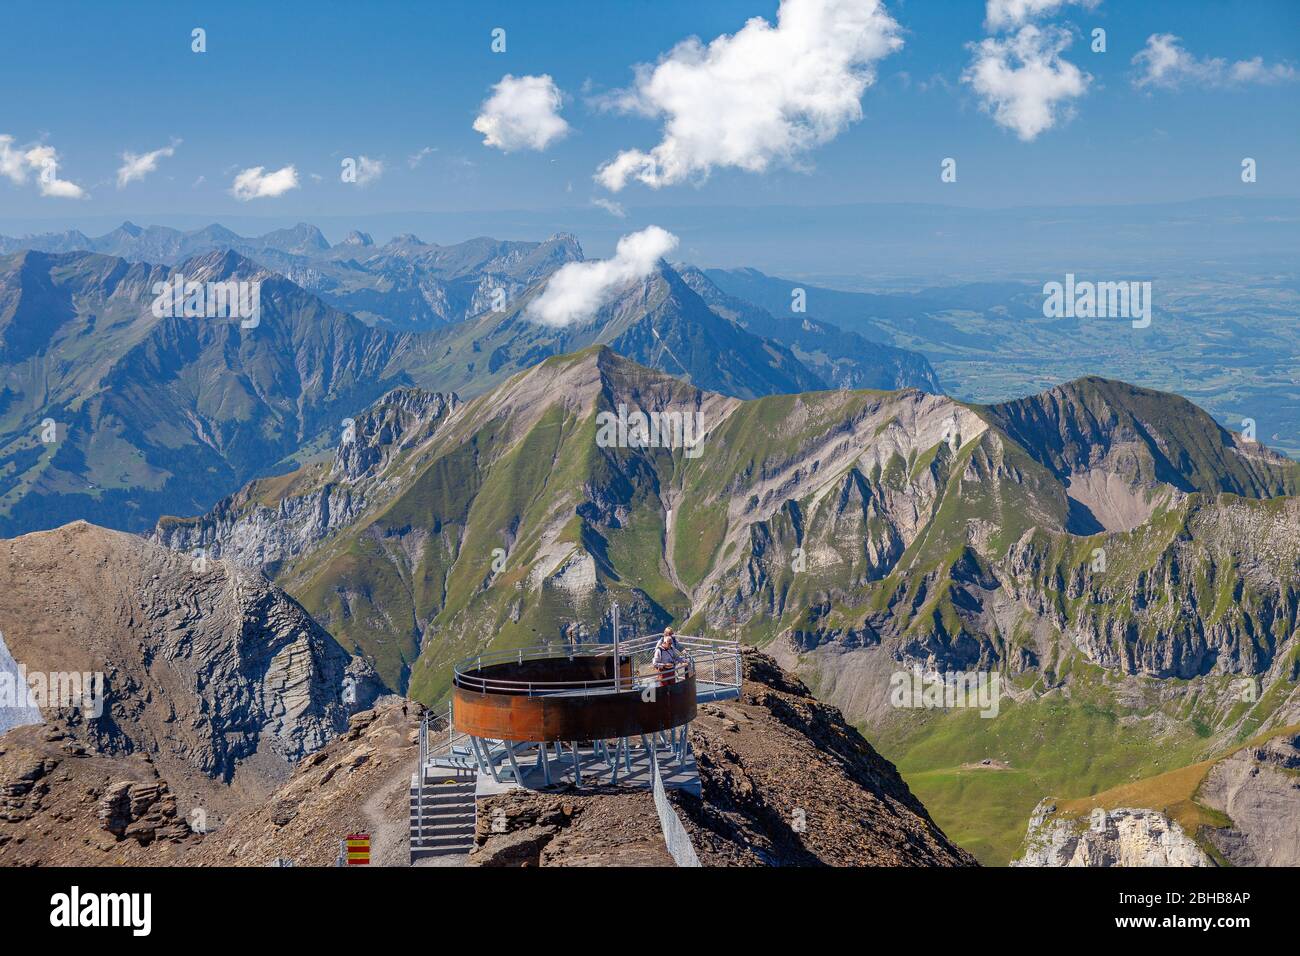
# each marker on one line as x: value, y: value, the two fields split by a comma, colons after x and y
x: 667, y: 658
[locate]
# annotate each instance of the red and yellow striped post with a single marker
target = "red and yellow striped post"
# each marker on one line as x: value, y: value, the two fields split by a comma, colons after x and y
x: 358, y: 849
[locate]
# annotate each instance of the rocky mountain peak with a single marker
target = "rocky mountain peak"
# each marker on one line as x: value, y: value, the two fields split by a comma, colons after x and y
x: 304, y: 237
x: 220, y: 265
x: 568, y: 243
x: 216, y: 674
x: 401, y: 419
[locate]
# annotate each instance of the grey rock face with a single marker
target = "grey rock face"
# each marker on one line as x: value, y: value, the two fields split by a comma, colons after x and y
x: 1120, y: 837
x: 206, y: 669
x: 14, y: 712
x: 250, y: 534
x: 1259, y: 789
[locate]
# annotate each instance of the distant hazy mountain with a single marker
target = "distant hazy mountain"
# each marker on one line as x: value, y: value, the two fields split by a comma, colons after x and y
x: 407, y: 283
x: 660, y: 322
x: 114, y: 415
x: 869, y: 314
x: 145, y: 415
x: 411, y: 284
x: 843, y: 359
x: 1224, y: 338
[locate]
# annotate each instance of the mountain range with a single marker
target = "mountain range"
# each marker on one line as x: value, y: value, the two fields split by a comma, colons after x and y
x: 1221, y: 337
x: 114, y: 414
x: 1123, y: 564
x: 407, y: 283
x: 1100, y: 547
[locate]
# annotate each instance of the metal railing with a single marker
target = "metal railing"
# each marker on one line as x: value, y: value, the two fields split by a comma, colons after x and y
x: 716, y: 660
x: 713, y: 661
x: 676, y: 838
x: 421, y: 771
x: 468, y: 673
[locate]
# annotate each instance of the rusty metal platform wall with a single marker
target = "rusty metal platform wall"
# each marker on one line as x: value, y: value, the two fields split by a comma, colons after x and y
x: 568, y: 717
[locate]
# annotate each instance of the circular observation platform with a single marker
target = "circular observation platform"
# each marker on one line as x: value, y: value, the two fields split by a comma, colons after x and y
x: 574, y: 692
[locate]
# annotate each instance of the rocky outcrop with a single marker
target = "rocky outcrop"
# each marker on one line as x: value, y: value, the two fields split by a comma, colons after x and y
x: 141, y: 811
x: 786, y: 781
x: 218, y: 676
x: 1258, y: 788
x: 252, y: 533
x: 593, y: 826
x: 64, y: 804
x: 1121, y: 837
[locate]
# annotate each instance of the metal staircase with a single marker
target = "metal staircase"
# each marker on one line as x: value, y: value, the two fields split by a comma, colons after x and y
x: 442, y: 814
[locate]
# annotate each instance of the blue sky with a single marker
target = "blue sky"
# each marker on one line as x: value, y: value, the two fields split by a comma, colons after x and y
x: 307, y: 84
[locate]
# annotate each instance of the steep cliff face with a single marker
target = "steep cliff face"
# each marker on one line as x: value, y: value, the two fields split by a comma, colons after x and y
x: 1121, y: 837
x: 1209, y: 587
x: 215, y: 678
x: 1258, y: 789
x: 1239, y: 809
x: 273, y: 520
x: 786, y: 781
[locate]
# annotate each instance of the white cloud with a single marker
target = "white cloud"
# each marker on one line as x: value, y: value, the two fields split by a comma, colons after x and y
x: 416, y: 158
x: 257, y: 183
x: 12, y: 164
x: 368, y: 170
x: 578, y: 289
x: 1022, y: 80
x: 1003, y: 14
x: 45, y: 161
x: 522, y: 113
x: 610, y: 206
x: 139, y: 165
x: 1166, y: 64
x: 762, y: 95
x: 16, y: 164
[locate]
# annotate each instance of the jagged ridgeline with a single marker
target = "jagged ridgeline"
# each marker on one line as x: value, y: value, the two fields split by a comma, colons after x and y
x: 1117, y: 558
x: 119, y: 412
